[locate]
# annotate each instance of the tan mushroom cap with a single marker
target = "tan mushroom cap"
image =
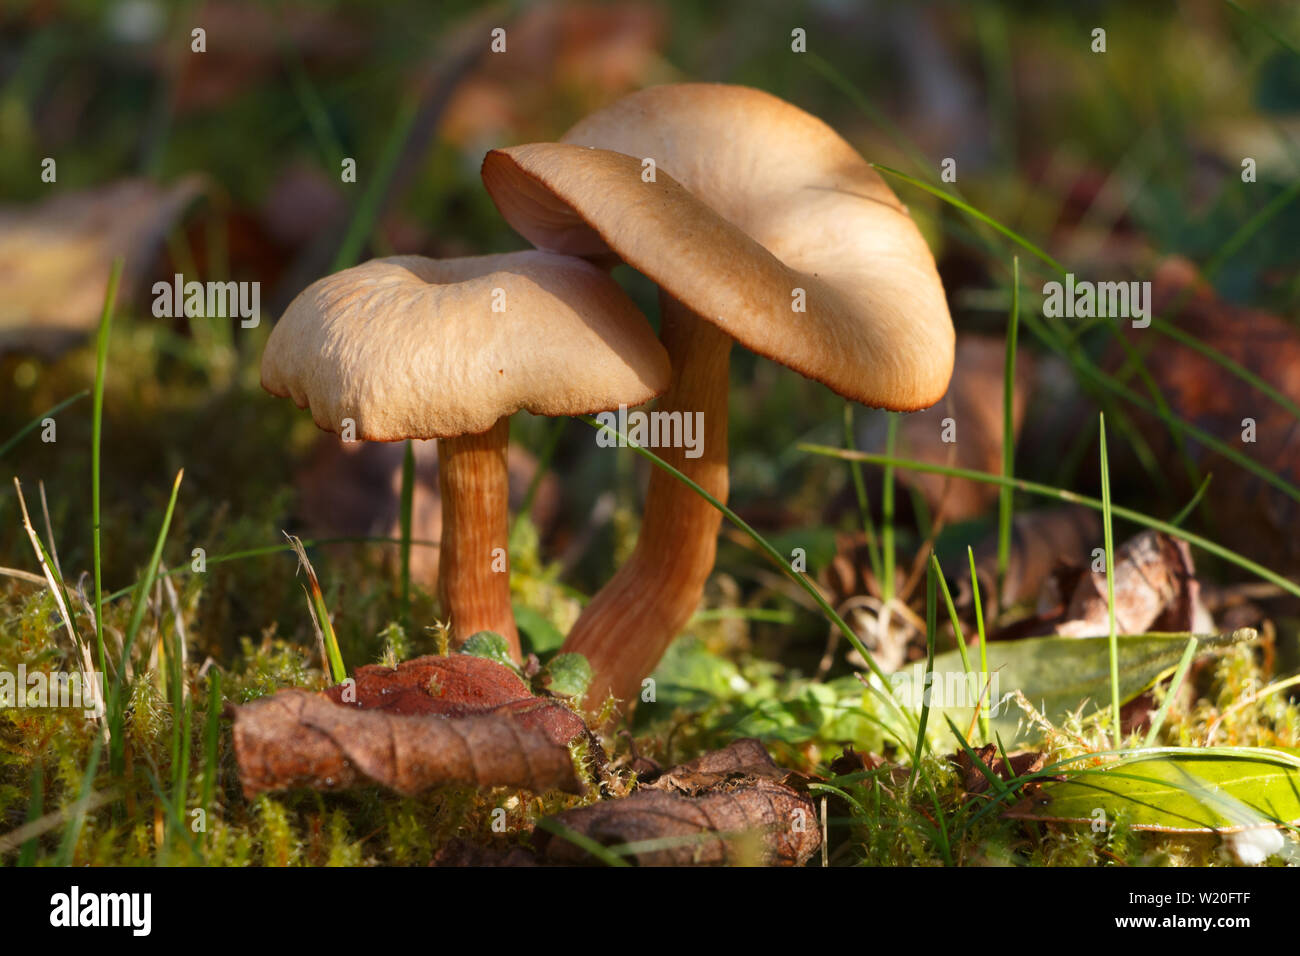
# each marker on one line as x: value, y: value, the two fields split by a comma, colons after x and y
x: 752, y: 199
x: 409, y: 347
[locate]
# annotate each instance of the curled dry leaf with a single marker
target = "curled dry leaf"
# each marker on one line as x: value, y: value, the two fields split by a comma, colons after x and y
x: 428, y: 722
x: 725, y: 807
x: 1155, y: 590
x: 729, y: 806
x: 55, y: 257
x: 300, y: 739
x: 459, y: 685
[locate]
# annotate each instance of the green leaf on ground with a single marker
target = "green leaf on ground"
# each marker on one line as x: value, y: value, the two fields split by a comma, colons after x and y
x: 1057, y: 675
x: 1223, y: 789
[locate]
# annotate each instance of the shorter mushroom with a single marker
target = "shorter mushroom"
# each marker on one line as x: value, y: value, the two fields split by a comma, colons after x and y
x: 410, y: 347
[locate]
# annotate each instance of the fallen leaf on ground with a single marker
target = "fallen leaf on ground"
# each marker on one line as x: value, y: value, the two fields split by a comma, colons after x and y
x: 299, y: 739
x: 1155, y: 590
x: 458, y: 685
x: 1226, y: 790
x: 730, y: 806
x: 461, y: 852
x: 55, y: 257
x: 428, y: 722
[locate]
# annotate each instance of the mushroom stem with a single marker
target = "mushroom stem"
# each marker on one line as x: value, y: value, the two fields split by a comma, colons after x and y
x: 474, y: 568
x: 629, y: 624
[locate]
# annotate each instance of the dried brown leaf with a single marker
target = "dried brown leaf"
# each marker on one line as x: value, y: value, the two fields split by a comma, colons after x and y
x: 299, y: 739
x: 725, y: 807
x: 55, y: 257
x: 1155, y: 589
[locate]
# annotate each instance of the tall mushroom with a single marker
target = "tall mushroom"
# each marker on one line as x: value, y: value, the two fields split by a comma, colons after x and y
x: 409, y: 347
x: 760, y: 225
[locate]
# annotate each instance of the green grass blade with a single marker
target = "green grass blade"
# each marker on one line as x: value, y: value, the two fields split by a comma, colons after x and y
x: 1099, y: 378
x: 211, y: 739
x: 274, y: 549
x: 1267, y: 27
x: 320, y: 614
x: 1174, y: 683
x: 957, y: 634
x: 872, y: 112
x: 138, y: 609
x: 582, y: 841
x: 975, y: 214
x: 1214, y: 355
x: 36, y: 422
x: 1006, y: 494
x: 864, y: 503
x: 1110, y: 580
x: 1191, y: 505
x: 96, y: 436
x: 931, y: 627
x: 984, y: 649
x: 887, y: 556
x: 1234, y: 243
x: 958, y: 637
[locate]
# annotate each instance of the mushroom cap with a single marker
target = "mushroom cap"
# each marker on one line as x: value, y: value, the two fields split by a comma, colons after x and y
x: 752, y: 199
x: 409, y: 347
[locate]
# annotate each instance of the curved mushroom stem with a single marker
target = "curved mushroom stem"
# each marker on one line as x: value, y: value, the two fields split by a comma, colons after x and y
x: 629, y: 624
x: 474, y: 563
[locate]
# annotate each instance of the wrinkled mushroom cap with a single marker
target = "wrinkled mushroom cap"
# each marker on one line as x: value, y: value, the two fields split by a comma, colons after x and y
x: 409, y: 347
x: 752, y: 198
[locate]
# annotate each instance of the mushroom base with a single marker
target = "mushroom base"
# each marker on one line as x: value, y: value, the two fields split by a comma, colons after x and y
x: 474, y: 563
x: 629, y: 624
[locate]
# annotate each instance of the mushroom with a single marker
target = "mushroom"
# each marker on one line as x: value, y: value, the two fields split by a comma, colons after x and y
x: 409, y: 347
x: 761, y: 225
